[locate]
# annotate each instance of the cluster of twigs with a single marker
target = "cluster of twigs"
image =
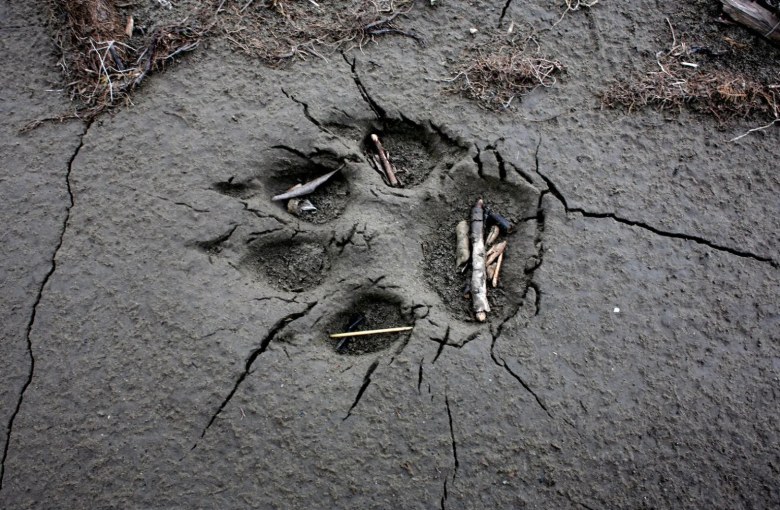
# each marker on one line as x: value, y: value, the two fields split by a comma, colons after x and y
x: 276, y: 31
x: 679, y: 82
x: 506, y: 72
x: 104, y: 61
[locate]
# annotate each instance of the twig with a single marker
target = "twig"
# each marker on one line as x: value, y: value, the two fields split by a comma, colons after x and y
x: 749, y: 131
x: 385, y: 163
x: 372, y: 332
x: 497, y: 270
x: 307, y: 188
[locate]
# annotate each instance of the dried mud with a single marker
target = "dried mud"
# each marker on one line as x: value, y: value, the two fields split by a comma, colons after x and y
x: 165, y: 324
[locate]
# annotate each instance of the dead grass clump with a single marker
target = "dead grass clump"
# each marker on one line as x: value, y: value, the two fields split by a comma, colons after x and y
x: 102, y: 63
x: 725, y: 95
x: 680, y: 82
x: 276, y: 31
x: 506, y: 72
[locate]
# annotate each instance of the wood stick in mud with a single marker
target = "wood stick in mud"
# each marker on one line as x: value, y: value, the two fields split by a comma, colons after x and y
x: 462, y: 250
x: 372, y: 332
x: 478, y: 281
x: 492, y: 235
x: 497, y: 270
x: 392, y: 179
x: 307, y: 188
x: 495, y: 252
x: 755, y: 17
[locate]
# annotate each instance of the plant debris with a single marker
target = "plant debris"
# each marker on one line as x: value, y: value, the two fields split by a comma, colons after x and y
x: 681, y: 82
x: 103, y: 58
x: 278, y: 31
x: 502, y: 71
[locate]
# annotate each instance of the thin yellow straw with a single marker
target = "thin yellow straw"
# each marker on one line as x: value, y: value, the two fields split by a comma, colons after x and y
x: 372, y: 332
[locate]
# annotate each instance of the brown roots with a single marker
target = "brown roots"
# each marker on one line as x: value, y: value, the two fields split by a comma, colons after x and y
x: 102, y: 63
x: 679, y: 82
x: 276, y: 31
x: 495, y: 79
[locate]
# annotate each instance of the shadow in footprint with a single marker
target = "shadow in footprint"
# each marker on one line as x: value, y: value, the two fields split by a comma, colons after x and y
x: 518, y: 203
x: 371, y: 311
x: 414, y: 150
x: 328, y: 201
x: 291, y: 265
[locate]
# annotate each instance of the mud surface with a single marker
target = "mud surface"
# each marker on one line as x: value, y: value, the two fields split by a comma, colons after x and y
x: 165, y: 324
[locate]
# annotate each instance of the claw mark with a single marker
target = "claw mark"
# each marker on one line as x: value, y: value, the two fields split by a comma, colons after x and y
x: 452, y: 437
x: 39, y: 297
x: 378, y: 110
x: 366, y: 382
x: 275, y: 330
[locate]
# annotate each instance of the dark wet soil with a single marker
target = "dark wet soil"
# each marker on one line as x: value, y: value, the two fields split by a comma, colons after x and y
x: 288, y: 265
x: 369, y: 313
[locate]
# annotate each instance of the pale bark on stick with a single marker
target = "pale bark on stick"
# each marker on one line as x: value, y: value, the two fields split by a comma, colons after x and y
x: 478, y: 281
x: 494, y: 252
x: 492, y: 235
x: 389, y: 172
x: 462, y: 250
x: 305, y: 189
x: 497, y: 270
x: 755, y: 17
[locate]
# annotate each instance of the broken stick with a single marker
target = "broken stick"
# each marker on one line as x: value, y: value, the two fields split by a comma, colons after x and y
x: 495, y: 252
x: 372, y: 332
x: 497, y: 270
x: 305, y: 189
x: 462, y: 250
x: 478, y: 281
x: 389, y: 172
x: 492, y: 235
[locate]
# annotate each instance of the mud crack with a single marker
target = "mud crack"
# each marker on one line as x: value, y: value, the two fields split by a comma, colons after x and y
x: 275, y: 330
x: 39, y: 297
x: 378, y: 110
x: 503, y: 12
x: 452, y: 437
x: 645, y: 226
x: 444, y: 496
x: 500, y: 362
x: 363, y: 387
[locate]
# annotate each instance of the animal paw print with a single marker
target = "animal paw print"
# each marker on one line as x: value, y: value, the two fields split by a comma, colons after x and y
x: 375, y: 256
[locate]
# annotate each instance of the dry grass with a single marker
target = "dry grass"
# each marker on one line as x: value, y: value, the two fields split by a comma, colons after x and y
x: 100, y: 65
x: 278, y: 31
x: 507, y: 71
x: 679, y: 82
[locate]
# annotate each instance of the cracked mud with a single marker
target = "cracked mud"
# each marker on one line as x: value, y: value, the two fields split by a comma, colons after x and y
x: 166, y: 324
